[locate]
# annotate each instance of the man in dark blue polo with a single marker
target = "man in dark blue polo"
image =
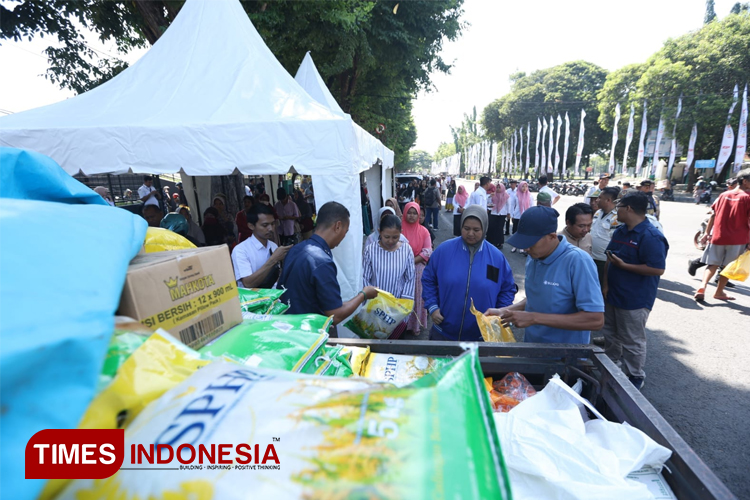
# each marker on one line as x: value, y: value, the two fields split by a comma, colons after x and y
x: 636, y: 257
x: 309, y: 274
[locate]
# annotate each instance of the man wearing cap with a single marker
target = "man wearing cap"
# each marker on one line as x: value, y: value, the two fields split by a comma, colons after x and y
x: 563, y: 302
x: 599, y: 184
x: 603, y: 226
x: 543, y: 199
x: 637, y: 256
x: 647, y: 188
x: 626, y: 185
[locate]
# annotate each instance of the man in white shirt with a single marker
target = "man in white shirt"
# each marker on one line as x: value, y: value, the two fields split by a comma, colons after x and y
x: 257, y: 260
x: 512, y: 192
x: 603, y: 226
x: 148, y: 193
x: 543, y: 188
x: 479, y: 196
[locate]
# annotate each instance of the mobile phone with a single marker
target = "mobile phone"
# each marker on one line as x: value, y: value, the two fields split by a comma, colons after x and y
x: 609, y: 253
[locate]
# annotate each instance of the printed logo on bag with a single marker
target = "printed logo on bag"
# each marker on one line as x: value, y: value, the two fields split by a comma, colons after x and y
x: 177, y: 292
x: 180, y: 444
x: 384, y: 316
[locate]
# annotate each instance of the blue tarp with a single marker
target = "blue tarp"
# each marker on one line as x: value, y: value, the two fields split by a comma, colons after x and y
x: 64, y: 257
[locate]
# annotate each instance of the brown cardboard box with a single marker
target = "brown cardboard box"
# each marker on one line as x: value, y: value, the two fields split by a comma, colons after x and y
x: 190, y: 293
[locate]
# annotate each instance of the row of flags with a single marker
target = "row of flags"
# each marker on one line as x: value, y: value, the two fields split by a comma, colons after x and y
x: 450, y: 165
x: 512, y: 150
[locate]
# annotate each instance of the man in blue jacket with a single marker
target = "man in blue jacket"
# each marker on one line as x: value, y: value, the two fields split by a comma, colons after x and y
x: 461, y: 270
x: 563, y: 302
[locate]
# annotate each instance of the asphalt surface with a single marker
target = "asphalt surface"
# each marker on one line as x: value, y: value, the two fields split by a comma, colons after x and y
x: 698, y: 359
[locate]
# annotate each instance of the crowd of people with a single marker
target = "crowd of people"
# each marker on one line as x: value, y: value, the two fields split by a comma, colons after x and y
x: 580, y: 280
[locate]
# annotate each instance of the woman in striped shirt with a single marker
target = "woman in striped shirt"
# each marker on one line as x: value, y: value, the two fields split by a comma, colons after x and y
x: 389, y: 264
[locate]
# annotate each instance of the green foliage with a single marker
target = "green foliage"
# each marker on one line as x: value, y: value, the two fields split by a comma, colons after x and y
x: 703, y: 66
x: 739, y: 8
x: 419, y: 160
x: 564, y: 88
x: 467, y: 134
x: 373, y: 60
x: 710, y: 12
x: 445, y: 150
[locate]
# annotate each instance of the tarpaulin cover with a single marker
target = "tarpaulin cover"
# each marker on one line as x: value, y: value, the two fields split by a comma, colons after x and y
x: 64, y: 257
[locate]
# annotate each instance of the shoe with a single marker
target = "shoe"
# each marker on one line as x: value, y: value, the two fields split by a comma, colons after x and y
x: 638, y: 382
x: 597, y: 341
x: 513, y: 250
x: 693, y: 265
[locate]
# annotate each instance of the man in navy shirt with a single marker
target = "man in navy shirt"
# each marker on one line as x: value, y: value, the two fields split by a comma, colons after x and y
x: 636, y: 257
x: 309, y: 274
x: 563, y: 301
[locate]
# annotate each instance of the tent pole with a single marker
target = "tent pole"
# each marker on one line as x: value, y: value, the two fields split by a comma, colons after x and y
x: 111, y: 191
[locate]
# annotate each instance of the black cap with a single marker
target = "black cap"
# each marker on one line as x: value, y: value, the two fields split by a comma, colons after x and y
x: 646, y: 182
x: 637, y: 200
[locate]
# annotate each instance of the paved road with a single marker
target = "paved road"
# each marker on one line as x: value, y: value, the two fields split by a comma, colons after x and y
x: 698, y: 374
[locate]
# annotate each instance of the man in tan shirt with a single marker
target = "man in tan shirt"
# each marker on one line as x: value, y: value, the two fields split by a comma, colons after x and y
x: 577, y: 229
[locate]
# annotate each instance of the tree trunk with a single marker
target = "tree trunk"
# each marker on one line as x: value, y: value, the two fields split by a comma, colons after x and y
x: 154, y: 20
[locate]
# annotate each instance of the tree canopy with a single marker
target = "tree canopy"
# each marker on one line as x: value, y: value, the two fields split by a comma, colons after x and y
x: 373, y: 55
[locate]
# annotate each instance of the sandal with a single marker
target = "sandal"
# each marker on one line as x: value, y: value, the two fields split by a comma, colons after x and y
x: 513, y: 250
x: 700, y: 295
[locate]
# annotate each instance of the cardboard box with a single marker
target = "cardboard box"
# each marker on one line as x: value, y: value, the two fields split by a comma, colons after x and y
x: 190, y: 293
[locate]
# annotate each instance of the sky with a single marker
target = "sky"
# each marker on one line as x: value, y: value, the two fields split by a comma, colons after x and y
x: 502, y: 37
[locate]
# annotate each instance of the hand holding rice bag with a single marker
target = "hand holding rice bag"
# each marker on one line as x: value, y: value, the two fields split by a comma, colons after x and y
x: 491, y: 327
x: 379, y: 317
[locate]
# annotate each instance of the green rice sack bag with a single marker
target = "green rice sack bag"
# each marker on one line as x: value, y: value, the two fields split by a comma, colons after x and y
x: 258, y: 300
x: 399, y: 369
x: 334, y: 362
x: 316, y: 437
x: 289, y: 342
x: 277, y: 308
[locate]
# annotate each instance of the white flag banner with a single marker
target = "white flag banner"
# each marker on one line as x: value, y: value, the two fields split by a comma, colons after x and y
x: 565, y: 148
x: 550, y: 159
x: 691, y: 145
x: 557, y: 144
x: 628, y: 140
x: 728, y: 141
x: 544, y: 155
x: 513, y: 149
x: 739, y: 153
x: 502, y: 157
x: 659, y: 135
x: 493, y: 164
x: 520, y: 149
x: 641, y: 140
x: 612, y: 163
x: 673, y: 146
x: 579, y: 148
x: 536, y: 145
x: 726, y: 148
x: 528, y: 140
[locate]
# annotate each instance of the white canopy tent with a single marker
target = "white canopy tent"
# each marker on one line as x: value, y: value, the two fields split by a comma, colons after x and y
x: 209, y: 98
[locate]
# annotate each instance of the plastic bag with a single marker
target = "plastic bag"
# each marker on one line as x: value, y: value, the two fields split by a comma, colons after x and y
x: 507, y: 392
x: 292, y: 342
x: 278, y: 307
x: 552, y: 452
x: 491, y: 327
x: 399, y: 369
x: 163, y: 240
x: 739, y: 269
x: 121, y: 346
x: 378, y: 317
x: 258, y: 300
x: 334, y: 362
x: 333, y: 438
x: 356, y: 357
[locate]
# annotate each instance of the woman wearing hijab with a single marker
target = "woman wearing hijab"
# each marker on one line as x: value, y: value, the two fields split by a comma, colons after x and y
x: 388, y: 264
x: 104, y: 193
x: 227, y: 221
x: 459, y: 203
x: 375, y: 235
x: 449, y: 198
x: 518, y: 205
x: 498, y: 213
x: 393, y: 203
x: 461, y: 270
x: 421, y: 246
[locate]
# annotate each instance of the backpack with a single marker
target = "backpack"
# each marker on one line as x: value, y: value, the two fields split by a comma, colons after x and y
x: 429, y: 197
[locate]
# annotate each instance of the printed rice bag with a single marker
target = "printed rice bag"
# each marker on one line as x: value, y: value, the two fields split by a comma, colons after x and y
x: 289, y: 342
x: 278, y: 307
x: 378, y: 317
x: 491, y: 327
x: 258, y: 300
x: 334, y: 362
x: 399, y: 369
x: 316, y: 437
x: 356, y: 356
x: 128, y: 336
